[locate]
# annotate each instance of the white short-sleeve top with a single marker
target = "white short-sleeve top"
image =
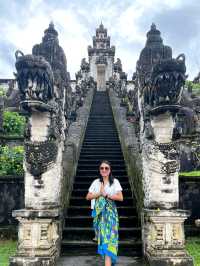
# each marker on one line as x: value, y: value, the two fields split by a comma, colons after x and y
x: 110, y: 190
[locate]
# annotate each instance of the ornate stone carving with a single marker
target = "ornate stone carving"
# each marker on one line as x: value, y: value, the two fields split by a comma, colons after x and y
x: 164, y: 237
x: 159, y: 82
x: 42, y: 79
x: 166, y: 82
x: 35, y: 81
x: 40, y: 156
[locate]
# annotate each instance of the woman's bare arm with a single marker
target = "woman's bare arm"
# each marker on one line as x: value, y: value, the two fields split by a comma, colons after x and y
x: 118, y: 196
x: 91, y: 196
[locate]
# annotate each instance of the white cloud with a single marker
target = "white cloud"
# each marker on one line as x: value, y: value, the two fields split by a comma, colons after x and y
x: 127, y: 23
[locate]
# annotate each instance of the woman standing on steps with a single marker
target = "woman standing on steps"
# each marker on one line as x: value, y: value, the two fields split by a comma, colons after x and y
x: 103, y: 193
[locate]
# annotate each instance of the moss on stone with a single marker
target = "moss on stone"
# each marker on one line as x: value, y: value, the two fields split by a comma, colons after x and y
x: 191, y: 173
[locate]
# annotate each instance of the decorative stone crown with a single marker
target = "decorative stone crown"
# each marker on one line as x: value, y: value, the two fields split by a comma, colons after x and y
x: 50, y: 49
x: 153, y: 52
x: 35, y: 78
x: 118, y: 66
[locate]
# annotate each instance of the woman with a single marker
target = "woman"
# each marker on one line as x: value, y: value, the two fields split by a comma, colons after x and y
x: 103, y: 193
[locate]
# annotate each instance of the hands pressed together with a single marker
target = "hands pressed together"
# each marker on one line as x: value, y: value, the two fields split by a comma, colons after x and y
x: 118, y: 196
x: 103, y: 193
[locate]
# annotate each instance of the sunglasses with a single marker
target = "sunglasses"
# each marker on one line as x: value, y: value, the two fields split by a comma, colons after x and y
x: 105, y: 168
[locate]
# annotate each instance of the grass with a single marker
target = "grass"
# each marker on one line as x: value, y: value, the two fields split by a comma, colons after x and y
x: 193, y: 248
x: 8, y: 248
x: 192, y: 173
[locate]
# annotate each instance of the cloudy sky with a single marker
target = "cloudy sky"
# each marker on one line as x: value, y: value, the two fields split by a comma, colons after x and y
x: 22, y: 24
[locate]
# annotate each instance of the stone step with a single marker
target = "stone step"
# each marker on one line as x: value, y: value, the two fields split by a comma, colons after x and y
x: 87, y: 233
x: 95, y: 149
x: 86, y: 184
x: 82, y: 192
x: 93, y: 166
x: 101, y: 142
x: 102, y: 139
x: 90, y: 172
x: 102, y: 135
x: 92, y: 178
x: 97, y: 145
x: 78, y: 201
x: 106, y: 141
x: 87, y: 221
x: 71, y: 247
x: 100, y: 157
x: 103, y: 127
x: 86, y: 210
x: 93, y: 161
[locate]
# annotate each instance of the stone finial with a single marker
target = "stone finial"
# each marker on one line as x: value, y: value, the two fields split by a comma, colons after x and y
x: 153, y: 36
x: 51, y: 30
x: 153, y: 26
x: 101, y: 26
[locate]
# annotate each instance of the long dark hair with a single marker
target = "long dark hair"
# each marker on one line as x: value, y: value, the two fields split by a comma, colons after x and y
x: 111, y: 178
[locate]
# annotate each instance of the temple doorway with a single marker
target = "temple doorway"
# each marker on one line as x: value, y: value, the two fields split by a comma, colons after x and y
x: 101, y: 77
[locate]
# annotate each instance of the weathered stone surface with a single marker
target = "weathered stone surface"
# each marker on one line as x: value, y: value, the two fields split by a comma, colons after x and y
x: 32, y: 261
x: 130, y: 148
x: 164, y: 239
x: 98, y: 261
x: 42, y: 84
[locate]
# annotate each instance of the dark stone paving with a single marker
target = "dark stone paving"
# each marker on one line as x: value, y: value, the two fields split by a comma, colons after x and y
x: 98, y: 261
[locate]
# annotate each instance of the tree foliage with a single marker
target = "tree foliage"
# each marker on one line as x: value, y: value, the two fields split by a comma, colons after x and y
x: 11, y: 160
x: 13, y: 123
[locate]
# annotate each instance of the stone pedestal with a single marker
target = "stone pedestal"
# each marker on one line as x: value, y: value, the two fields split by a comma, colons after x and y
x: 38, y: 238
x: 163, y: 237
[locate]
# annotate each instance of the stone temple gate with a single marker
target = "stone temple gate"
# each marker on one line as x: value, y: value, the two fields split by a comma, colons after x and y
x: 101, y: 58
x: 73, y: 124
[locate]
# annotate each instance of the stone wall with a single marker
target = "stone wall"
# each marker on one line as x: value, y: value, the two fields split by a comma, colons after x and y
x: 12, y: 198
x: 11, y: 141
x: 73, y: 146
x: 189, y: 191
x: 130, y: 148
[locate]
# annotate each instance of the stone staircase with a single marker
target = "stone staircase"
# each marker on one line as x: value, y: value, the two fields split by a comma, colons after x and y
x: 101, y: 142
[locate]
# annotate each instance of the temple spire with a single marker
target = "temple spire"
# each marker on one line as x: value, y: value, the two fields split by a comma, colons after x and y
x: 50, y: 31
x: 154, y: 36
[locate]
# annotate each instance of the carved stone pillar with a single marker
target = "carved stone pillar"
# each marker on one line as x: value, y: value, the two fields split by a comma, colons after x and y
x: 38, y: 237
x: 40, y: 221
x: 160, y: 80
x: 164, y: 238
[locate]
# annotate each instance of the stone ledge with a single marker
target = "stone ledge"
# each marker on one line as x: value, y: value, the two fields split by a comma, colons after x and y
x: 33, y: 261
x: 11, y: 178
x: 166, y: 213
x: 170, y: 261
x: 25, y: 213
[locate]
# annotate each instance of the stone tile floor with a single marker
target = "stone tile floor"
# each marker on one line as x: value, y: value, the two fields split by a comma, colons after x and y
x: 97, y: 261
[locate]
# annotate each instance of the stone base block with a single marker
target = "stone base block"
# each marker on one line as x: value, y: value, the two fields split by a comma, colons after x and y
x: 164, y: 238
x: 169, y: 261
x: 33, y: 261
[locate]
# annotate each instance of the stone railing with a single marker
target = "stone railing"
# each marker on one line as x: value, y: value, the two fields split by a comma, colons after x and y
x: 130, y: 148
x: 73, y: 145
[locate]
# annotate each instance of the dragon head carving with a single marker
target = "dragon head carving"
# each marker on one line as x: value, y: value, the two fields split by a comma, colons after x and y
x: 165, y: 85
x: 35, y: 80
